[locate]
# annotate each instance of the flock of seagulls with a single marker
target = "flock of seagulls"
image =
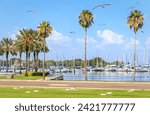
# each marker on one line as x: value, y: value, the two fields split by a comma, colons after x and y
x: 33, y: 11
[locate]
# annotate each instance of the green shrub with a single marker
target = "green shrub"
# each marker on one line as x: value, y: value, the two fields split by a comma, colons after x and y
x: 36, y: 73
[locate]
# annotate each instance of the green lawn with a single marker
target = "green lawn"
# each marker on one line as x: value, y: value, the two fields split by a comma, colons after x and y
x: 21, y: 77
x: 21, y: 92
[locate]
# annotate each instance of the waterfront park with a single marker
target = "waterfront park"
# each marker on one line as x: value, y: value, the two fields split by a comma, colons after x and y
x: 27, y: 72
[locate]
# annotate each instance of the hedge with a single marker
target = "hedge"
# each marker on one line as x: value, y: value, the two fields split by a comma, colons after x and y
x: 35, y: 73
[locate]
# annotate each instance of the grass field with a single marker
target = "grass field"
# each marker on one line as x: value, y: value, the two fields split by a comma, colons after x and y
x: 21, y: 92
x: 21, y: 77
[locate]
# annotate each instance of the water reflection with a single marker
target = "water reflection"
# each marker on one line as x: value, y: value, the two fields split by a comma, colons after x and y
x: 110, y: 76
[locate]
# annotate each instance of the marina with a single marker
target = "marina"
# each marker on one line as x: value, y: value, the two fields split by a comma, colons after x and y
x: 112, y: 73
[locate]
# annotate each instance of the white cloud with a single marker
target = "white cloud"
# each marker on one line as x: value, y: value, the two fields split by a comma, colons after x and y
x: 58, y: 38
x: 109, y: 37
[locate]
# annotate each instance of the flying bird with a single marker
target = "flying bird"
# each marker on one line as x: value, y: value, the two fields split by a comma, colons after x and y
x: 32, y: 11
x: 138, y: 3
x: 142, y: 31
x: 71, y: 32
x: 101, y: 24
x: 131, y: 8
x: 101, y: 6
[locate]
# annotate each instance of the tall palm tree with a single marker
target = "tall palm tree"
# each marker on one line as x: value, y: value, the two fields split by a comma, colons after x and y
x: 25, y: 39
x: 45, y: 29
x: 135, y: 21
x: 6, y: 48
x: 20, y: 49
x: 85, y: 20
x: 1, y: 53
x: 38, y: 41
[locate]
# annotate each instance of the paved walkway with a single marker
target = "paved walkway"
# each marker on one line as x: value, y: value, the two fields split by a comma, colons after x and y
x: 78, y: 84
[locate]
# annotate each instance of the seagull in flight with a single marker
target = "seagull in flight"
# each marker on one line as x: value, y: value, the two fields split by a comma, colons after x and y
x: 101, y: 6
x: 71, y: 32
x: 32, y: 11
x: 138, y: 3
x: 131, y: 8
x: 101, y: 24
x: 142, y: 31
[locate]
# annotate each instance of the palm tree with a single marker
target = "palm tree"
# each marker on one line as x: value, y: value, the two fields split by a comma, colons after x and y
x: 135, y: 21
x: 85, y: 20
x: 20, y: 49
x: 38, y: 41
x: 25, y: 39
x: 6, y: 46
x: 45, y: 29
x: 1, y: 53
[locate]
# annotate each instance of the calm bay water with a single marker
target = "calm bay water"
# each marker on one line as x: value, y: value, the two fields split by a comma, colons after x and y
x: 110, y: 76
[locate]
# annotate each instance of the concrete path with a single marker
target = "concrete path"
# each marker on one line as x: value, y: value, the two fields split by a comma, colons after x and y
x: 78, y: 84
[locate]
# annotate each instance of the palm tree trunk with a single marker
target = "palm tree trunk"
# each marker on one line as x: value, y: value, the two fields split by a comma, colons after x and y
x: 28, y: 61
x: 20, y: 55
x: 134, y: 54
x: 135, y: 50
x: 6, y: 61
x: 38, y: 61
x: 85, y: 63
x: 36, y: 66
x: 26, y: 73
x: 34, y: 60
x: 44, y: 61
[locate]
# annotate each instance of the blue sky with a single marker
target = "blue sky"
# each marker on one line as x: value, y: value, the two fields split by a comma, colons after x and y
x: 114, y: 41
